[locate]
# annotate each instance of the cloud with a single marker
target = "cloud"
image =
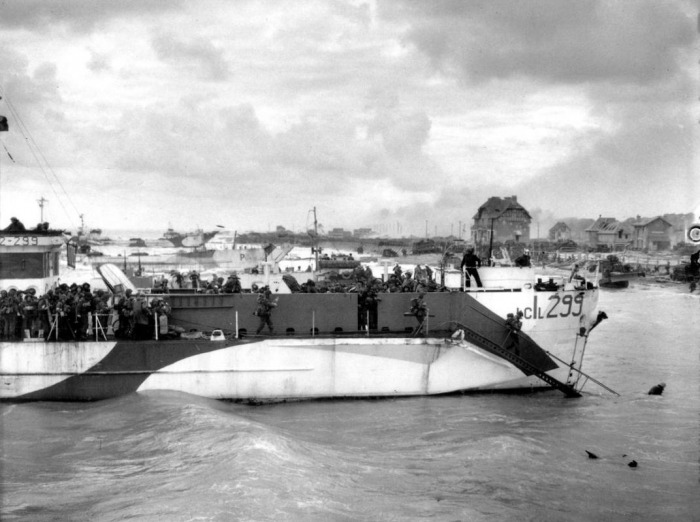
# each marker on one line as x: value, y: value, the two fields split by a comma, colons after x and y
x: 98, y: 62
x: 407, y: 111
x: 25, y: 87
x: 77, y: 15
x: 549, y: 40
x: 199, y: 54
x: 648, y: 166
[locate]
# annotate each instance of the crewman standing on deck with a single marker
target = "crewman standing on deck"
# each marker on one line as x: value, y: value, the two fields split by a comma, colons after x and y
x: 470, y: 263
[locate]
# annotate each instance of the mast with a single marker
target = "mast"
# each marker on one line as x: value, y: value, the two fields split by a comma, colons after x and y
x: 491, y: 241
x: 41, y: 202
x: 315, y: 240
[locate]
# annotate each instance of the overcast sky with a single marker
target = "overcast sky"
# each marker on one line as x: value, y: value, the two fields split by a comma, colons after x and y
x: 247, y: 114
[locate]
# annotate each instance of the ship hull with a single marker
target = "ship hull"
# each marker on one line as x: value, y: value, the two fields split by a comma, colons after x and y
x: 255, y: 371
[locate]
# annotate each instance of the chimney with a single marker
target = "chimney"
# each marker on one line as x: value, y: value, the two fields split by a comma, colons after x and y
x: 514, y: 198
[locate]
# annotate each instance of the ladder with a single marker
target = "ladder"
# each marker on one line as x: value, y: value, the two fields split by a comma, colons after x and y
x: 519, y: 362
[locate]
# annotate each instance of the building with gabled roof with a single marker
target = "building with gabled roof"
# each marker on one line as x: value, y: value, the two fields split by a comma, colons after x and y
x: 607, y: 231
x: 560, y: 232
x: 653, y: 234
x: 505, y: 218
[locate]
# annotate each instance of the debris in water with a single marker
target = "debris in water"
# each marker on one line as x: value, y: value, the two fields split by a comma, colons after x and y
x: 658, y: 389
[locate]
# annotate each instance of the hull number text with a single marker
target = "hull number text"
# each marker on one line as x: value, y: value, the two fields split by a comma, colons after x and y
x: 19, y: 240
x: 558, y: 306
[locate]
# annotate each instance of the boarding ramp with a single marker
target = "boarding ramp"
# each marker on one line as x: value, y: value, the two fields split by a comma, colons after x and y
x: 489, y: 331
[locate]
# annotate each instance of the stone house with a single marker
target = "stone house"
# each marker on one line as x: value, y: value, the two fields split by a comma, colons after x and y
x: 653, y: 234
x: 609, y: 232
x: 507, y: 218
x: 560, y: 232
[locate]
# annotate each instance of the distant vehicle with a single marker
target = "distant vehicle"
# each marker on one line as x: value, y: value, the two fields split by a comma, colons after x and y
x: 426, y: 246
x: 616, y: 275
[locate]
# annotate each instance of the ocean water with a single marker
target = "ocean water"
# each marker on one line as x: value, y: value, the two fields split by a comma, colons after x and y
x: 173, y: 457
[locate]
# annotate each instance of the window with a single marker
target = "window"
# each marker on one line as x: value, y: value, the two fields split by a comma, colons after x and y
x: 22, y: 266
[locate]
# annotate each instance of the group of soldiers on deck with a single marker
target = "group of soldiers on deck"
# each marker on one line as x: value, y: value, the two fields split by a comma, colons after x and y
x: 192, y: 279
x: 76, y: 313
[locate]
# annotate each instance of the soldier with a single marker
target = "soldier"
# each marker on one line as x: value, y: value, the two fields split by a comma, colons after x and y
x: 161, y: 312
x: 194, y: 279
x: 43, y: 311
x: 84, y: 309
x: 140, y: 318
x: 100, y: 313
x: 10, y: 310
x: 420, y: 311
x: 264, y: 309
x: 232, y: 285
x: 514, y: 324
x: 523, y: 260
x: 408, y: 284
x: 470, y: 263
x: 15, y: 226
x: 63, y: 311
x: 28, y: 309
x: 124, y: 308
x: 3, y: 296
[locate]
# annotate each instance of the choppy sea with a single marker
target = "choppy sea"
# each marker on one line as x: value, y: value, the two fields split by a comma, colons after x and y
x: 175, y: 457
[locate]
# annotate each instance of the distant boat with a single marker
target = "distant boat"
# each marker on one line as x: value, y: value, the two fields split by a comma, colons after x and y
x: 187, y: 239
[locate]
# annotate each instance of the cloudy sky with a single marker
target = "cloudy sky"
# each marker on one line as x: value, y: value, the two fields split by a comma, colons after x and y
x: 390, y: 114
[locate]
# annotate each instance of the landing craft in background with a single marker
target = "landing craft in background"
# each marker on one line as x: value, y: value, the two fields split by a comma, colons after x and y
x: 194, y: 239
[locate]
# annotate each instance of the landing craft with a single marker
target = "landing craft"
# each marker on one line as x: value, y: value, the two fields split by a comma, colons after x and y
x: 322, y: 346
x: 195, y: 239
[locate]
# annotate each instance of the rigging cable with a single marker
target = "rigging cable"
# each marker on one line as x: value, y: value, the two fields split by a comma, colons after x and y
x: 40, y: 159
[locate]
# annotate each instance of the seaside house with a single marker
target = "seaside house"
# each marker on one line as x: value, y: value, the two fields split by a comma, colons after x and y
x: 560, y: 232
x: 505, y: 218
x: 652, y: 234
x: 610, y: 233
